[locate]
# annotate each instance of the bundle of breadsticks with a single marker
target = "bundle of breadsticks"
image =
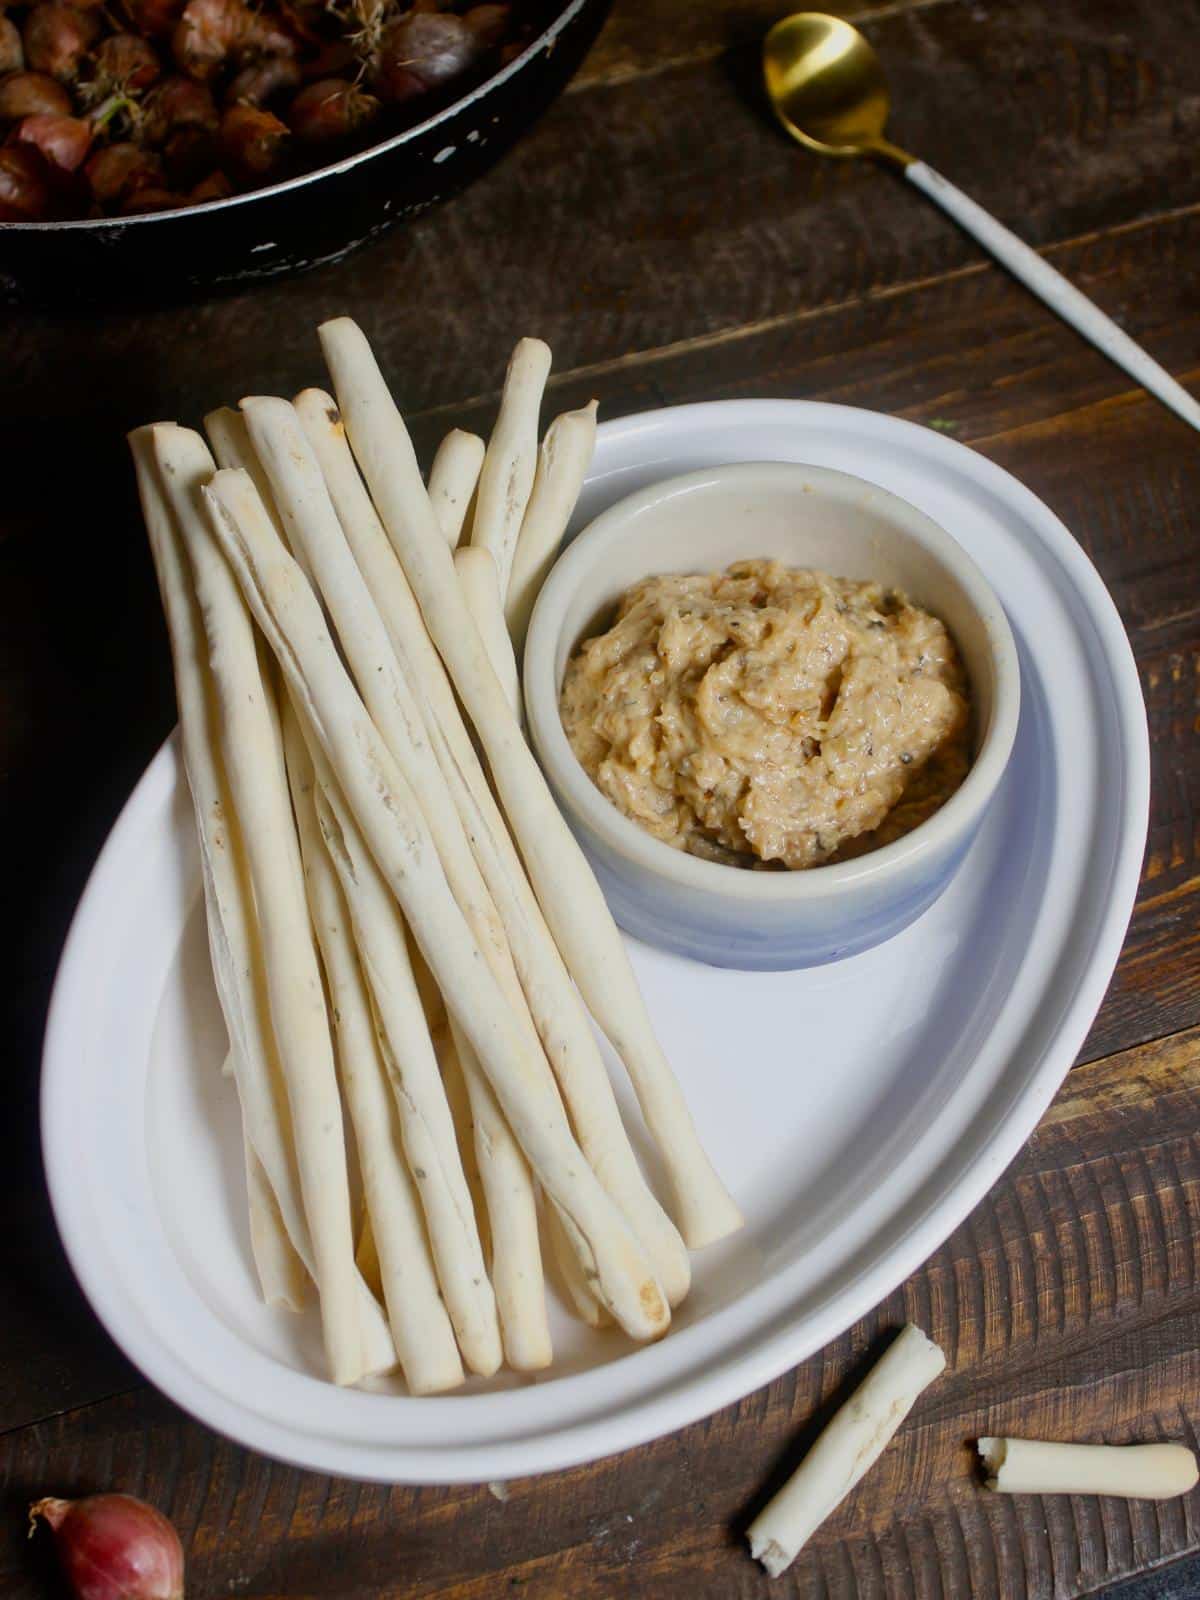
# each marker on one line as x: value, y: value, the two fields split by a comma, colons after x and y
x: 404, y: 934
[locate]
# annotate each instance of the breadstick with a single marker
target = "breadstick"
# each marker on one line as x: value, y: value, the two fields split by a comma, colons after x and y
x: 516, y: 1260
x: 234, y: 944
x: 563, y: 462
x: 1132, y: 1471
x: 455, y: 1086
x: 452, y: 480
x: 481, y: 590
x: 562, y: 1022
x: 420, y: 1325
x: 229, y: 440
x: 587, y: 1307
x: 281, y: 1273
x: 486, y: 1144
x: 237, y: 968
x: 226, y: 886
x: 253, y: 760
x: 312, y: 525
x: 477, y: 573
x: 569, y: 894
x: 506, y: 477
x: 386, y: 810
x: 847, y: 1449
x: 425, y: 1123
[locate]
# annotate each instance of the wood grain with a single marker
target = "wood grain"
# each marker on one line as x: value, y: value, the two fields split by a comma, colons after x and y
x: 649, y: 38
x: 1068, y: 1306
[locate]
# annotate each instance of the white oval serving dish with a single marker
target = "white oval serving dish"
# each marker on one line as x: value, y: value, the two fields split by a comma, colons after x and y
x: 924, y: 1063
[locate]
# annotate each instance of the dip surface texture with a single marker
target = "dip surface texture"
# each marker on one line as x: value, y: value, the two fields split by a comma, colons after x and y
x: 768, y: 716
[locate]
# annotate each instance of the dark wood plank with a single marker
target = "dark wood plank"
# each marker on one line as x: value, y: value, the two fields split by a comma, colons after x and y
x: 648, y: 38
x: 1068, y: 1307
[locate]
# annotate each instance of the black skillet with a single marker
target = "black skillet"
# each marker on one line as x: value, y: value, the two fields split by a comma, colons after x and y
x: 306, y: 220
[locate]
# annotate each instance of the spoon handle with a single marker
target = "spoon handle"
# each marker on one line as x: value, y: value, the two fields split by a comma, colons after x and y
x: 1053, y: 288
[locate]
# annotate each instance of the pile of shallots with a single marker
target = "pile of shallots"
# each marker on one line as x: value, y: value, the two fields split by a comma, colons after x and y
x: 148, y: 105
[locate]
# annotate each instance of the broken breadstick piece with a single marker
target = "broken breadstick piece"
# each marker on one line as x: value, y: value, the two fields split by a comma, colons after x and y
x: 1133, y: 1471
x: 846, y: 1450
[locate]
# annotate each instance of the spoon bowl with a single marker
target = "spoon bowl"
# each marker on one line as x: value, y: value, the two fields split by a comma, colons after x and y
x: 826, y: 86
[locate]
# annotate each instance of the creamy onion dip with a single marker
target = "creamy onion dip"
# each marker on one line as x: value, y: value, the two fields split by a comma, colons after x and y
x: 768, y: 716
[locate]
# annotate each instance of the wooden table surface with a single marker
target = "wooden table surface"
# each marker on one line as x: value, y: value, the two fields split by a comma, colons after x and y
x: 671, y: 247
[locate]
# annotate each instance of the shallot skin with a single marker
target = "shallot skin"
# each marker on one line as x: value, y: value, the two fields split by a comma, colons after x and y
x: 119, y: 170
x: 489, y: 23
x: 252, y: 140
x: 263, y: 80
x: 12, y: 51
x: 207, y: 34
x: 189, y: 154
x: 128, y: 62
x: 26, y: 93
x: 178, y: 103
x: 25, y: 184
x: 64, y: 141
x: 215, y: 187
x: 330, y: 109
x: 424, y: 50
x: 56, y: 39
x: 114, y: 1547
x: 141, y: 201
x: 154, y: 18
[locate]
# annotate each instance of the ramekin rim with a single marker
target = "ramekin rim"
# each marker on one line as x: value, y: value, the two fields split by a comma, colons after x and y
x: 579, y: 795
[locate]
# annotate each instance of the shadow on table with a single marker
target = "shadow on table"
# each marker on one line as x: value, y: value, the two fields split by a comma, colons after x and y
x: 742, y: 66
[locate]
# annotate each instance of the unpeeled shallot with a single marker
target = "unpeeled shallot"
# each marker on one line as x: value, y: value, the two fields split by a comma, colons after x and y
x: 114, y: 1547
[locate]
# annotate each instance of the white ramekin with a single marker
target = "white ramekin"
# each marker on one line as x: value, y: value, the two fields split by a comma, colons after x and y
x: 806, y: 517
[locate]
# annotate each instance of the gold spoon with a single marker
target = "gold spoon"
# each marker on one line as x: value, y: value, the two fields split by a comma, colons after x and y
x: 827, y: 88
